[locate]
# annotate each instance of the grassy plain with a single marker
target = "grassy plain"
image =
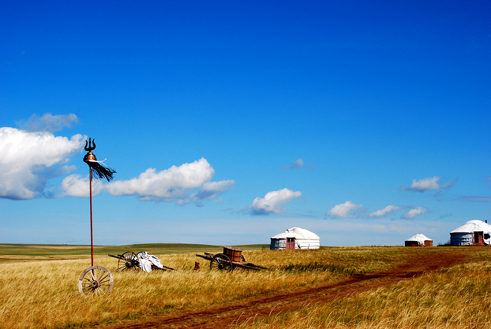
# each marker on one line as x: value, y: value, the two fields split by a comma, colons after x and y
x: 15, y: 253
x: 43, y: 293
x: 30, y: 252
x: 458, y: 297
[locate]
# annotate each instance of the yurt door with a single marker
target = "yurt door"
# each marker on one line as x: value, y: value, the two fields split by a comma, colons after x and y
x: 478, y: 238
x: 290, y: 243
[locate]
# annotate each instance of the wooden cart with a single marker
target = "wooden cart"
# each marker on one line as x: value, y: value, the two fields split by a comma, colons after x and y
x: 129, y: 261
x: 229, y: 259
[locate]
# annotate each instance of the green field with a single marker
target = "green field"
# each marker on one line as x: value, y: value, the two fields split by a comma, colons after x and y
x: 12, y: 253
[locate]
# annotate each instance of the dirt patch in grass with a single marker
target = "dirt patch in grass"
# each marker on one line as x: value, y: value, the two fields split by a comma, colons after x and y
x: 249, y: 309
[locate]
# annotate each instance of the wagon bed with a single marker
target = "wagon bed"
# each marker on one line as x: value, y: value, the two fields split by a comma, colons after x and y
x: 229, y: 259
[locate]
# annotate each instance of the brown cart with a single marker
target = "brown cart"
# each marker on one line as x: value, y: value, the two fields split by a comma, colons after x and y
x: 129, y: 261
x: 229, y: 259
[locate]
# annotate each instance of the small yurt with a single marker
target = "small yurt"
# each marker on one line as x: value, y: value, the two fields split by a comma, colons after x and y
x: 472, y: 233
x: 419, y: 240
x: 295, y: 238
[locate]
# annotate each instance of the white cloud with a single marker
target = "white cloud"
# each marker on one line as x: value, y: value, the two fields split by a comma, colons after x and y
x: 48, y: 122
x: 29, y: 159
x: 272, y: 201
x: 414, y: 212
x: 73, y: 185
x: 385, y: 211
x: 173, y: 184
x: 209, y: 190
x: 427, y: 184
x: 298, y: 164
x: 343, y: 210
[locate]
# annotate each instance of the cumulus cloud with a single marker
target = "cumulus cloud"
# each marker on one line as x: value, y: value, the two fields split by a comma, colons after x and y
x: 272, y: 202
x: 29, y: 159
x: 173, y: 184
x: 387, y: 210
x: 343, y: 210
x: 48, y: 122
x: 297, y: 164
x: 427, y: 184
x: 73, y: 185
x: 414, y: 212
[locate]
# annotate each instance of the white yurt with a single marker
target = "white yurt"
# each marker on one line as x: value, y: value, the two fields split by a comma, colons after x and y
x: 419, y: 240
x: 295, y: 238
x: 472, y: 233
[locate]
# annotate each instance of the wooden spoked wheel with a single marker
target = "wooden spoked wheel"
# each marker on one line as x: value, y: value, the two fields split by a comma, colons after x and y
x: 95, y: 280
x: 128, y: 262
x: 221, y: 262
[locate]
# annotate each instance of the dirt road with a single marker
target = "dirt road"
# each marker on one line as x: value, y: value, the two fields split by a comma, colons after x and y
x: 266, y: 305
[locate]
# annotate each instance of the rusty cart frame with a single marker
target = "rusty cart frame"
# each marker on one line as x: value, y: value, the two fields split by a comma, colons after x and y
x: 229, y: 259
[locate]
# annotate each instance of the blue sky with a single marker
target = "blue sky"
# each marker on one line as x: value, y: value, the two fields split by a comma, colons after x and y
x: 228, y: 122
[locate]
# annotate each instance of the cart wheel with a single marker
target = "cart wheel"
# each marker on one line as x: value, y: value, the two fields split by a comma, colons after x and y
x: 221, y: 262
x: 96, y: 280
x: 128, y: 262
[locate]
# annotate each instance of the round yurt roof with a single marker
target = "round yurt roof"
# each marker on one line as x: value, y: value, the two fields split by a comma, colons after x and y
x: 473, y: 226
x: 297, y: 233
x: 421, y: 238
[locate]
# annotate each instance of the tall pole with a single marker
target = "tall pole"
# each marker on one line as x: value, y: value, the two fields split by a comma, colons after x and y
x: 101, y: 171
x: 91, y: 235
x: 95, y: 279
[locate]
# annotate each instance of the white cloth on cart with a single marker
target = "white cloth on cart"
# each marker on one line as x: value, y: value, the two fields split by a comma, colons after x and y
x: 146, y: 261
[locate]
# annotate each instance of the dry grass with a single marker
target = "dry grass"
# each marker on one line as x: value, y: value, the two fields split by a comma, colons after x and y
x: 459, y: 297
x: 44, y: 294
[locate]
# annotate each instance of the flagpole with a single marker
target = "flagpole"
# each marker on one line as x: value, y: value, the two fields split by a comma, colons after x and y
x: 95, y: 279
x: 91, y: 235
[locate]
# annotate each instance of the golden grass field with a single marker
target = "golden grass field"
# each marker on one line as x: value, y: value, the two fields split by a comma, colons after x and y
x: 44, y: 294
x: 459, y: 297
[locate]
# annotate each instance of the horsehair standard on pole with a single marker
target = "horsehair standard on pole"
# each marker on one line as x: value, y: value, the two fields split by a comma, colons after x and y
x: 95, y: 279
x: 101, y: 172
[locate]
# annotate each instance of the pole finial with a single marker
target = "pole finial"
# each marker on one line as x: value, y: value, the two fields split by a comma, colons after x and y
x: 90, y: 145
x: 99, y: 170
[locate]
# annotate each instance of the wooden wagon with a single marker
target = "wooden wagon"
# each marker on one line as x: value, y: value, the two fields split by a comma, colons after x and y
x: 129, y: 261
x: 229, y: 259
